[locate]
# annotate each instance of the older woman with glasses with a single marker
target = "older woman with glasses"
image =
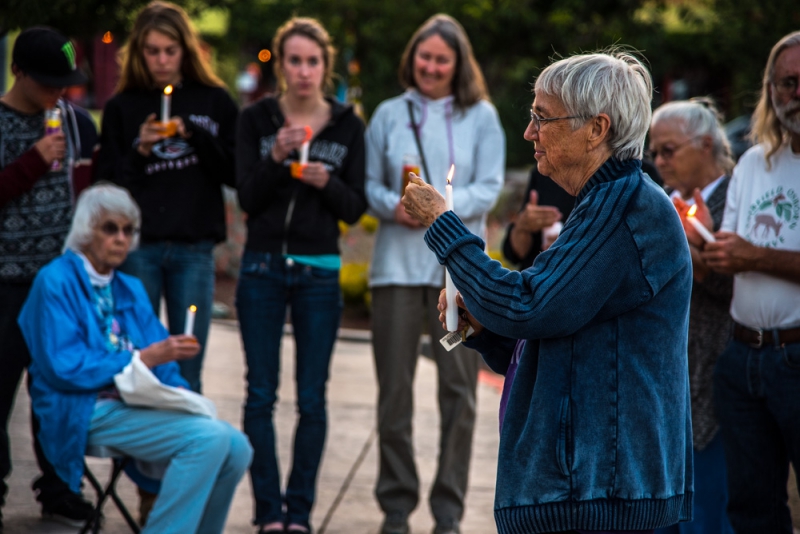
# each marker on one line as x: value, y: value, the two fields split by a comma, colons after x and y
x: 84, y: 322
x: 595, y: 417
x: 693, y: 157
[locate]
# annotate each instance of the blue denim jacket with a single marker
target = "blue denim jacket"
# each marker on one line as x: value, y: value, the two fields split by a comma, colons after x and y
x: 597, y: 434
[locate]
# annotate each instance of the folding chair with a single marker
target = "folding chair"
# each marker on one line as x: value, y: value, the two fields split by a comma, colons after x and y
x: 119, y: 462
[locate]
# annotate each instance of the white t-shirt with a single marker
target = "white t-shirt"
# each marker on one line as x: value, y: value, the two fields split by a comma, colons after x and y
x: 763, y: 207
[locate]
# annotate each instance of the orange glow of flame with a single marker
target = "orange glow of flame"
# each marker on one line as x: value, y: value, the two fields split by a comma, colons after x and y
x: 192, y: 308
x: 108, y: 37
x: 692, y: 211
x: 264, y: 55
x: 309, y: 134
x: 168, y: 90
x: 451, y: 173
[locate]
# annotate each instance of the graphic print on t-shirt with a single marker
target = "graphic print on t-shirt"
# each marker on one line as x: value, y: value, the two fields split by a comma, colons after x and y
x: 771, y: 216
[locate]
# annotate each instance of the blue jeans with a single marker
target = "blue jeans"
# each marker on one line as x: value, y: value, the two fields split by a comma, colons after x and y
x: 268, y: 283
x: 756, y: 392
x: 207, y: 458
x: 184, y: 274
x: 710, y: 494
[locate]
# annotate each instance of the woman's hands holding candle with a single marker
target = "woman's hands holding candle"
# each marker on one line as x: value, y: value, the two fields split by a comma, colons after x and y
x: 173, y: 348
x: 150, y: 132
x: 702, y: 215
x: 287, y: 139
x: 180, y: 127
x: 422, y: 201
x: 465, y: 318
x: 315, y: 174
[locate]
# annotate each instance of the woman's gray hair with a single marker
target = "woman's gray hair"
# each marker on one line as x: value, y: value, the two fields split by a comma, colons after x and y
x: 614, y: 82
x: 100, y: 200
x: 697, y: 118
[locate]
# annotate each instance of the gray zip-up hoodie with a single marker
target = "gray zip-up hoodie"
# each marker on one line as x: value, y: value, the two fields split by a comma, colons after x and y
x: 472, y: 139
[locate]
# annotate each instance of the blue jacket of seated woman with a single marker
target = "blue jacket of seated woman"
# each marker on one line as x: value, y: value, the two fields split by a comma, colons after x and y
x: 70, y: 363
x: 597, y: 433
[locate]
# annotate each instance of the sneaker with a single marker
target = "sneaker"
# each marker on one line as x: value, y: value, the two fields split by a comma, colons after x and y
x: 395, y: 523
x: 71, y: 509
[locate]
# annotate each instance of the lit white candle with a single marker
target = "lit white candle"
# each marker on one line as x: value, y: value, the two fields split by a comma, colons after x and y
x: 701, y: 229
x: 451, y: 313
x: 304, y: 146
x: 190, y: 313
x: 166, y: 103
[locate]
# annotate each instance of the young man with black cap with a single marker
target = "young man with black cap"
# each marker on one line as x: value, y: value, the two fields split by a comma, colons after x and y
x: 36, y: 200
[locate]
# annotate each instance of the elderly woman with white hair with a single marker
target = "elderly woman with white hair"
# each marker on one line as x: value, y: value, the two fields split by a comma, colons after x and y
x: 84, y: 322
x: 595, y: 417
x: 693, y: 156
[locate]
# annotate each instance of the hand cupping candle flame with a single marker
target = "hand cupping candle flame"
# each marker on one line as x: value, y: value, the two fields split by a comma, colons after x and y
x: 701, y: 229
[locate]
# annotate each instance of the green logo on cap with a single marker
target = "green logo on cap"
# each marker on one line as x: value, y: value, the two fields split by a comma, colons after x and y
x: 70, y: 53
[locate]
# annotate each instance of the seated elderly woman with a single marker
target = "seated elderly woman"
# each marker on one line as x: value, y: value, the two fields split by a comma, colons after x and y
x: 595, y: 418
x: 693, y: 157
x: 84, y: 322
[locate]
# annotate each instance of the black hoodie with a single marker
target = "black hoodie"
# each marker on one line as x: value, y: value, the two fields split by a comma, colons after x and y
x: 177, y: 187
x: 285, y: 215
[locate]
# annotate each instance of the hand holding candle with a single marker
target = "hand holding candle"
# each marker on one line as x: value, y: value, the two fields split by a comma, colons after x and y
x: 701, y: 229
x: 189, y: 325
x: 450, y: 288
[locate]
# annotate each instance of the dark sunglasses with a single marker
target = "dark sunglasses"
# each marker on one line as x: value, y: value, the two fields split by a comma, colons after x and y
x: 110, y: 228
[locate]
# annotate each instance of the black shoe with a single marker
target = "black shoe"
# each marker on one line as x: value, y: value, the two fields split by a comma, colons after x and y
x: 447, y: 527
x: 71, y: 509
x: 395, y: 523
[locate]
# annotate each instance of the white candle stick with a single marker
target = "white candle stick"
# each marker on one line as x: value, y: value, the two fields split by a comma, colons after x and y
x: 166, y: 102
x: 189, y: 325
x: 304, y: 153
x: 701, y: 229
x: 451, y: 313
x: 304, y: 146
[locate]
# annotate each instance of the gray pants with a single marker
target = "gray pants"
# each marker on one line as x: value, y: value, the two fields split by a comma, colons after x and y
x: 399, y: 314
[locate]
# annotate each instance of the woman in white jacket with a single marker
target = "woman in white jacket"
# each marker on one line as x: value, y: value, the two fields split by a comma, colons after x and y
x: 443, y: 118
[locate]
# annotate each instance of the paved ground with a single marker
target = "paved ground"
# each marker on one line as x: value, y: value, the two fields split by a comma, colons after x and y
x: 345, y: 503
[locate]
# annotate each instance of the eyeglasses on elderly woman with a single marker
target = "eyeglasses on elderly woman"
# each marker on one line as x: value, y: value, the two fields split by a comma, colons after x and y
x: 667, y: 152
x: 537, y: 120
x: 110, y: 228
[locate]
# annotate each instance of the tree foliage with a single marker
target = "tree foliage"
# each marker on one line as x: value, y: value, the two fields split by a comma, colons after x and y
x: 82, y: 18
x: 719, y: 46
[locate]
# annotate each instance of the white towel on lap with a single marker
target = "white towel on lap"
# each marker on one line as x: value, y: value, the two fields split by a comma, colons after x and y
x: 138, y: 386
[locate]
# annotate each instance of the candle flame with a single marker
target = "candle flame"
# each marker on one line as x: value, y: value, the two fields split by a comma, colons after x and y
x: 692, y: 211
x: 168, y: 90
x: 451, y: 173
x: 108, y: 38
x: 192, y: 308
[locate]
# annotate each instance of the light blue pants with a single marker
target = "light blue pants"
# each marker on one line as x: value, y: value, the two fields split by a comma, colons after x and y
x: 207, y: 458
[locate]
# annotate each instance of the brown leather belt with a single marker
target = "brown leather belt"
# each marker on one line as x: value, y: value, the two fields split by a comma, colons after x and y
x: 757, y: 338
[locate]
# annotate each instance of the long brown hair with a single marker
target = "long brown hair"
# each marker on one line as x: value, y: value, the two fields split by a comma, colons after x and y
x: 310, y: 29
x: 766, y: 127
x: 468, y: 85
x: 172, y: 21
